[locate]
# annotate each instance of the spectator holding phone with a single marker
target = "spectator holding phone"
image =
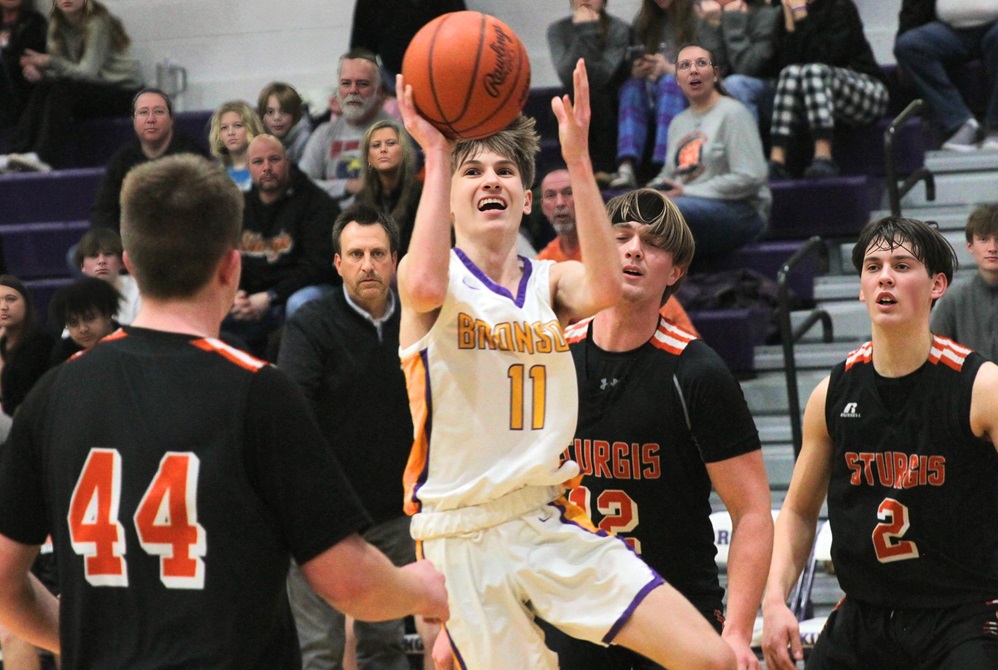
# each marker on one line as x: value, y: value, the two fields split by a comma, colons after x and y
x: 716, y: 170
x: 602, y: 41
x: 651, y: 95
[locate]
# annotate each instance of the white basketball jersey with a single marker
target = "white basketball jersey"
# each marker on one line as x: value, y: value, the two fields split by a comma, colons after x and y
x: 492, y: 390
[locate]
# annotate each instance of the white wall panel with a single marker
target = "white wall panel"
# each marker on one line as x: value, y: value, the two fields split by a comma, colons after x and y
x: 231, y: 48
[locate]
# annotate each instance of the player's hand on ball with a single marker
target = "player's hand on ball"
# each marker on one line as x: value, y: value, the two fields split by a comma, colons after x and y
x: 421, y: 130
x: 573, y: 117
x: 434, y: 606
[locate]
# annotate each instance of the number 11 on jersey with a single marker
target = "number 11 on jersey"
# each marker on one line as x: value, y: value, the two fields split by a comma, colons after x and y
x: 517, y: 393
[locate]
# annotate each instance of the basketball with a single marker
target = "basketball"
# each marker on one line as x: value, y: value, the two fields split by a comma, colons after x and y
x: 469, y: 73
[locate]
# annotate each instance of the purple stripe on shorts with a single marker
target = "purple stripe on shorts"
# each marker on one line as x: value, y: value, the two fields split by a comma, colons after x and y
x: 521, y: 292
x: 657, y: 581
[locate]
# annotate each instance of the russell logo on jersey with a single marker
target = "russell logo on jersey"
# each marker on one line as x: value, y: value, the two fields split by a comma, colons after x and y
x: 849, y: 411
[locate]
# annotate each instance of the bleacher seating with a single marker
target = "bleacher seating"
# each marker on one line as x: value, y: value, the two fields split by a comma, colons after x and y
x: 40, y: 214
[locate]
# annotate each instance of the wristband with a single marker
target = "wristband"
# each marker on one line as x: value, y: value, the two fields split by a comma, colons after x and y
x: 802, y: 8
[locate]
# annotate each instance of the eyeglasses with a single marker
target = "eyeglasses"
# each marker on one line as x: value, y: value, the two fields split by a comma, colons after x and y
x: 159, y: 112
x: 701, y: 63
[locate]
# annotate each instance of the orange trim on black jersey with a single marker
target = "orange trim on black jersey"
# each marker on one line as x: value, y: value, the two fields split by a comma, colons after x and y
x: 577, y: 331
x: 116, y: 335
x: 948, y: 352
x: 240, y: 358
x: 670, y: 337
x: 862, y: 355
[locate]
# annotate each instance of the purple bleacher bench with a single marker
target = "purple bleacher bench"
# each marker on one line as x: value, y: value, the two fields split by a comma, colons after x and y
x: 63, y: 195
x: 38, y: 250
x: 767, y: 257
x: 734, y: 334
x: 833, y: 207
x: 42, y: 291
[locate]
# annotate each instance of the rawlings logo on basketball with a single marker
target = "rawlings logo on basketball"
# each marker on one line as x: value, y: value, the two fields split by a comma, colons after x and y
x: 495, y: 80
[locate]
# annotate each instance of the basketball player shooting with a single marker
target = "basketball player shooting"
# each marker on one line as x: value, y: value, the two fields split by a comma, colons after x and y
x: 494, y: 403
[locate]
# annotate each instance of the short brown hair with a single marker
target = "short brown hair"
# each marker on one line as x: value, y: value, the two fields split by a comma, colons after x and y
x: 95, y: 241
x: 653, y: 208
x: 287, y: 98
x: 180, y: 214
x: 982, y: 222
x: 518, y: 142
x: 366, y: 216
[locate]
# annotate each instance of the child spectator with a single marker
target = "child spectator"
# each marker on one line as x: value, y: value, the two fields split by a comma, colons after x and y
x: 601, y: 40
x: 280, y: 108
x: 969, y: 313
x: 86, y: 308
x: 99, y: 255
x: 827, y: 75
x: 233, y: 125
x: 89, y: 70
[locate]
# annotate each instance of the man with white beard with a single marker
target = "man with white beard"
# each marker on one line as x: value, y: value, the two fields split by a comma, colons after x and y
x: 332, y: 156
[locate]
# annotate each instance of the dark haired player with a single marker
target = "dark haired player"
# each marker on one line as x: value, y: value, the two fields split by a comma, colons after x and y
x: 661, y: 420
x: 178, y: 476
x: 901, y: 438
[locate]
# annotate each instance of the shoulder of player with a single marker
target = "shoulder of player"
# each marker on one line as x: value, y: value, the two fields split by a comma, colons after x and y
x: 984, y: 402
x: 672, y: 339
x: 229, y: 353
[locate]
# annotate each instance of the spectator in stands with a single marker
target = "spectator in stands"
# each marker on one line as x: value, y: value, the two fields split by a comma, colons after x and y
x: 740, y: 35
x: 827, y: 74
x: 155, y: 136
x: 24, y: 347
x: 233, y: 126
x: 716, y: 170
x: 936, y: 35
x: 286, y: 244
x: 282, y: 112
x: 89, y: 71
x: 86, y: 308
x: 22, y: 27
x: 601, y: 40
x: 651, y: 95
x: 98, y: 254
x: 385, y: 27
x: 389, y: 175
x: 333, y: 154
x: 558, y: 207
x: 349, y: 334
x: 968, y: 313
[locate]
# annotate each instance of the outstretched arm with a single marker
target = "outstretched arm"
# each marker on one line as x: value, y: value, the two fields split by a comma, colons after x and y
x: 582, y: 289
x: 795, y: 528
x: 423, y: 273
x: 360, y: 581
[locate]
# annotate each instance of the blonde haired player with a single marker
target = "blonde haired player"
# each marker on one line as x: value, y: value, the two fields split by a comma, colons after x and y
x: 494, y: 401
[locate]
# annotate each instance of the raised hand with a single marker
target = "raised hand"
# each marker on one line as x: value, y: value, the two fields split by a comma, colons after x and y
x: 421, y: 130
x: 573, y: 118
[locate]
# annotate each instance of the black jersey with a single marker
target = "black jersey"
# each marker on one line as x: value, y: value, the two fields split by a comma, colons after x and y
x: 649, y: 419
x: 177, y: 477
x: 913, y: 494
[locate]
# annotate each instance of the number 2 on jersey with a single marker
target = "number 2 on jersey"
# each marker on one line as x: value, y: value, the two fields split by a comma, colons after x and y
x: 517, y: 399
x: 887, y: 542
x: 165, y: 521
x: 620, y: 512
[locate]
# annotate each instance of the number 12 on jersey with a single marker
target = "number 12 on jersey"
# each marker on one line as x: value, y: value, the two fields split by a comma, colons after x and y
x: 165, y: 520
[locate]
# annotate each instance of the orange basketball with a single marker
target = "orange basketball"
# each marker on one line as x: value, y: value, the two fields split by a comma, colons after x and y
x: 469, y: 72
